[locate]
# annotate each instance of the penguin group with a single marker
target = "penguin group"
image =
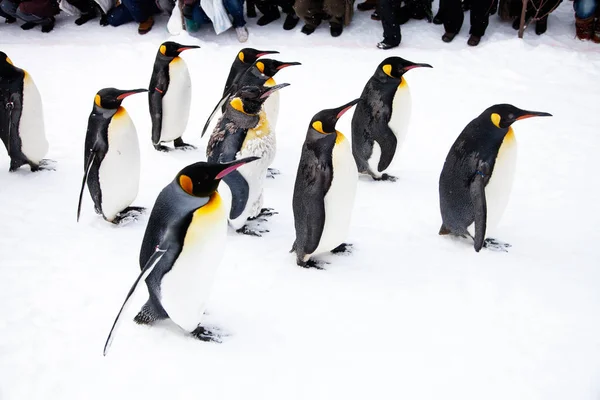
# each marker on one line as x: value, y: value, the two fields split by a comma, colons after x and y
x: 186, y: 232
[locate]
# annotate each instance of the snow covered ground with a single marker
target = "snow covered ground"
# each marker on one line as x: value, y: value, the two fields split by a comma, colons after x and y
x: 409, y: 315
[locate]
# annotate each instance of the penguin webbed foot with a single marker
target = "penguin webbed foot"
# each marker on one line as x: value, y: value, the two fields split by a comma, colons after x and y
x: 496, y: 245
x: 271, y: 172
x: 44, y: 165
x: 343, y: 249
x: 128, y: 215
x: 162, y: 148
x: 245, y: 230
x: 201, y: 333
x: 386, y: 177
x: 266, y: 212
x: 313, y: 264
x: 181, y: 145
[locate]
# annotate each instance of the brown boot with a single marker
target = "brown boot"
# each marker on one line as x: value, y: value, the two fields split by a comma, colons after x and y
x: 584, y: 28
x: 146, y: 26
x: 596, y: 35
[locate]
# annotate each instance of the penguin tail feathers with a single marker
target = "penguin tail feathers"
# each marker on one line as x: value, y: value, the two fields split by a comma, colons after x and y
x: 293, y: 247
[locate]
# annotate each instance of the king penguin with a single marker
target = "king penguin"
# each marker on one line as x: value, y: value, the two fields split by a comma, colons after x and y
x: 478, y: 174
x: 244, y: 60
x: 182, y: 248
x: 170, y: 96
x: 112, y: 158
x: 243, y: 131
x: 21, y: 118
x: 381, y: 119
x: 325, y: 189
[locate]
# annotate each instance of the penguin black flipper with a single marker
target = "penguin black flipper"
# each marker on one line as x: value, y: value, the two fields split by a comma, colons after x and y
x: 88, y: 164
x: 219, y: 105
x: 158, y: 87
x: 387, y: 142
x: 477, y: 191
x: 96, y: 146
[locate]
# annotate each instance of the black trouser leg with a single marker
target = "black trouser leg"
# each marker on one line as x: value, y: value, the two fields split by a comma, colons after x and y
x: 389, y: 12
x: 453, y: 15
x: 266, y: 7
x: 287, y: 6
x: 480, y: 16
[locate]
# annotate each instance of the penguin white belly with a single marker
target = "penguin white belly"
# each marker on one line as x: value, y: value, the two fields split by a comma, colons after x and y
x: 31, y: 126
x: 401, y: 111
x: 271, y: 105
x: 185, y: 289
x: 119, y: 173
x: 374, y: 160
x: 176, y: 101
x: 339, y: 199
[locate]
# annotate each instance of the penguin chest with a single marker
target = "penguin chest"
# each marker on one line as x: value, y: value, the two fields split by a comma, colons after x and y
x: 400, y: 113
x: 185, y: 289
x: 176, y: 101
x: 271, y: 105
x: 497, y: 191
x: 119, y: 172
x: 31, y: 126
x: 339, y: 199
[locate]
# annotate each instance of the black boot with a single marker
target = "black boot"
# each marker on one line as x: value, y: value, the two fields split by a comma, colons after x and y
x: 290, y: 21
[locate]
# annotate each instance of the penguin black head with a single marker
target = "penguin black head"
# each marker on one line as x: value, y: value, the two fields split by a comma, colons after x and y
x: 395, y: 67
x: 172, y: 49
x: 249, y: 99
x: 504, y: 115
x: 249, y: 55
x: 111, y: 98
x: 5, y: 63
x: 324, y: 121
x: 270, y: 67
x: 202, y: 178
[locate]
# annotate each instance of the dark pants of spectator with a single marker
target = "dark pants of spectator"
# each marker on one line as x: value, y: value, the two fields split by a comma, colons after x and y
x: 235, y: 8
x: 585, y: 8
x: 389, y: 12
x: 453, y: 16
x: 132, y: 10
x: 271, y: 7
x: 313, y: 11
x: 12, y: 8
x: 85, y: 6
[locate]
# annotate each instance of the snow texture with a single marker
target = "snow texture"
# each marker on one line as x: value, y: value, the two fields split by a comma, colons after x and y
x: 408, y: 315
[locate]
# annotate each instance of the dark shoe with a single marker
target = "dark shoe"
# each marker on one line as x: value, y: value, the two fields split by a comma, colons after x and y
x: 27, y: 26
x: 584, y: 28
x: 473, y: 40
x: 308, y: 29
x: 367, y: 5
x: 48, y: 26
x: 448, y: 37
x: 146, y: 26
x: 386, y: 46
x: 10, y: 20
x: 336, y: 29
x: 437, y: 20
x: 541, y: 26
x: 267, y: 19
x: 84, y: 18
x: 290, y: 22
x: 375, y: 16
x: 516, y: 23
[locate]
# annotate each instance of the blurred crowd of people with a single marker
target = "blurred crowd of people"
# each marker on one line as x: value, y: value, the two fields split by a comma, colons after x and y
x: 337, y: 13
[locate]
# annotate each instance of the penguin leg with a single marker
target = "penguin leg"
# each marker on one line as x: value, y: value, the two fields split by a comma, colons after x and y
x: 495, y: 245
x: 181, y: 145
x: 150, y: 313
x: 271, y: 172
x: 128, y: 215
x: 251, y: 232
x: 15, y: 164
x: 201, y: 333
x: 344, y: 248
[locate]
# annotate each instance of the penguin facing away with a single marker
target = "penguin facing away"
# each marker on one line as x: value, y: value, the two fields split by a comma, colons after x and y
x: 170, y: 96
x: 182, y: 249
x: 325, y: 189
x: 244, y: 60
x: 477, y: 176
x: 112, y: 158
x: 22, y: 118
x: 380, y: 122
x: 243, y: 131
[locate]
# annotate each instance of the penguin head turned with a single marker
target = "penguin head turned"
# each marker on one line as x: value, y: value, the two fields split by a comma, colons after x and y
x: 249, y: 99
x: 249, y: 55
x: 111, y: 98
x: 5, y: 63
x: 504, y: 115
x: 395, y: 67
x: 270, y: 67
x: 324, y: 121
x: 202, y: 179
x: 172, y: 49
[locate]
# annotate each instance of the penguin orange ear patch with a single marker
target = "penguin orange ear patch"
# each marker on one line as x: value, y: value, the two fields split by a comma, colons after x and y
x: 241, y: 56
x: 496, y: 119
x: 237, y: 104
x: 318, y: 126
x: 387, y: 68
x: 261, y: 67
x: 186, y: 184
x: 97, y: 100
x: 163, y: 49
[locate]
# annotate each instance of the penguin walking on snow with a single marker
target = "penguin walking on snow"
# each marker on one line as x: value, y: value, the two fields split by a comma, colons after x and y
x: 244, y: 60
x: 325, y: 189
x: 477, y: 176
x: 22, y: 118
x: 112, y: 158
x: 182, y: 248
x: 243, y: 131
x: 380, y: 122
x: 170, y: 96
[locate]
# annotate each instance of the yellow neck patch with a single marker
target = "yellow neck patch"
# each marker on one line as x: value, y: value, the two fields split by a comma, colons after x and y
x: 241, y: 56
x: 270, y: 82
x: 496, y: 119
x: 387, y: 69
x: 97, y: 100
x: 261, y: 67
x: 186, y: 184
x: 214, y: 204
x: 261, y: 130
x: 8, y: 60
x: 339, y: 138
x: 163, y: 49
x: 318, y: 126
x: 237, y: 104
x: 403, y: 83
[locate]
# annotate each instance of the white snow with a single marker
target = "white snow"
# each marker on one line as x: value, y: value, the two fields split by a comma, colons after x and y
x: 409, y: 315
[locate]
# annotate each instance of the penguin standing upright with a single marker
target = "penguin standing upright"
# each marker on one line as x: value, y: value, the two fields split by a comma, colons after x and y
x: 112, y: 158
x: 170, y: 96
x: 244, y: 60
x: 244, y: 130
x: 381, y: 119
x: 325, y: 189
x: 477, y: 176
x: 21, y: 118
x: 182, y: 248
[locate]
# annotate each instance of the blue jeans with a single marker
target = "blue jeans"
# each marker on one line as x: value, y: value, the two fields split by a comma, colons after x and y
x: 585, y: 8
x: 132, y: 10
x: 235, y: 8
x: 12, y: 8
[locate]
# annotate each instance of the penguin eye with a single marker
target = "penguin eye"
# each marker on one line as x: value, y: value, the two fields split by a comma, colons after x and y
x: 511, y: 116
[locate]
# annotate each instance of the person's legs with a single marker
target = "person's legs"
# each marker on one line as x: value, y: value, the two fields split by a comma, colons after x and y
x: 336, y: 9
x: 453, y: 17
x: 480, y: 19
x: 269, y: 10
x: 235, y: 8
x: 119, y: 15
x: 311, y: 12
x: 388, y: 11
x: 9, y: 8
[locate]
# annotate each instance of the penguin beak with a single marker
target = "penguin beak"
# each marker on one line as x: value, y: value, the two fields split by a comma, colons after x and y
x: 342, y: 110
x: 265, y: 52
x: 184, y: 48
x: 273, y: 89
x: 232, y: 166
x: 285, y: 65
x: 416, y: 66
x: 127, y: 93
x: 530, y: 114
